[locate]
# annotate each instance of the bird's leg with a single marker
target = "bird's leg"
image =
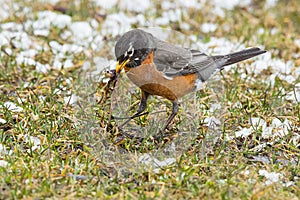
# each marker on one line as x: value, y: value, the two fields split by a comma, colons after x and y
x: 141, y: 108
x: 143, y: 103
x: 171, y: 117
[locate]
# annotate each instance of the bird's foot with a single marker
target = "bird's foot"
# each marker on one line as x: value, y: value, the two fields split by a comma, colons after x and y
x: 123, y: 135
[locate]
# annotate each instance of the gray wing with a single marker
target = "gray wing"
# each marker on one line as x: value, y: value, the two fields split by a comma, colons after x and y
x: 170, y: 58
x: 175, y: 61
x: 205, y: 66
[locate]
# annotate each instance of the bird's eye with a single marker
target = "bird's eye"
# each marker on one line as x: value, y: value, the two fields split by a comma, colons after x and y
x: 130, y: 53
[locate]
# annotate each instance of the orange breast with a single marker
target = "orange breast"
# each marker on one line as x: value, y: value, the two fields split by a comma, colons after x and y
x: 149, y: 79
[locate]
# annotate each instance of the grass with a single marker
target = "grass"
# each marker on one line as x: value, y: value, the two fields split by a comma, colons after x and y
x: 77, y: 158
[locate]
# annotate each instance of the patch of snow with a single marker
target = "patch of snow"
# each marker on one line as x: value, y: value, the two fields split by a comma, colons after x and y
x: 42, y: 68
x: 86, y: 65
x: 41, y: 32
x: 297, y: 42
x: 135, y: 5
x: 97, y: 43
x: 71, y: 99
x: 48, y: 18
x: 66, y: 34
x: 5, y: 9
x: 288, y: 78
x: 3, y: 163
x: 245, y: 132
x: 229, y: 5
x: 293, y: 96
x: 288, y: 184
x: 263, y: 159
x: 267, y: 132
x: 216, y: 46
x: 272, y: 177
x: 276, y: 129
x: 270, y: 3
x: 185, y: 26
x: 103, y: 63
x: 296, y: 140
x: 278, y: 67
x: 258, y: 122
x: 151, y: 161
x: 68, y: 63
x: 2, y: 121
x: 219, y: 12
x: 261, y: 147
x: 260, y: 31
x: 81, y: 30
x: 214, y: 107
x: 3, y: 40
x: 57, y: 64
x: 116, y: 24
x: 106, y: 4
x: 61, y: 21
x: 21, y: 40
x: 69, y: 81
x: 261, y: 63
x: 2, y: 149
x: 12, y: 107
x: 228, y: 137
x: 34, y: 141
x: 196, y: 4
x: 209, y: 27
x: 12, y: 27
x: 274, y: 31
x: 29, y: 53
x: 199, y: 85
x: 246, y: 172
x: 167, y: 5
x: 221, y: 181
x: 8, y: 51
x: 169, y: 16
x: 212, y: 122
x: 296, y: 72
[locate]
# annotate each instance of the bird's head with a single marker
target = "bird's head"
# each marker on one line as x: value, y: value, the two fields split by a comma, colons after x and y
x: 133, y: 48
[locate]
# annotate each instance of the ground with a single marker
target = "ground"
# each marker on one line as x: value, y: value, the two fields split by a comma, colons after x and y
x: 237, y: 138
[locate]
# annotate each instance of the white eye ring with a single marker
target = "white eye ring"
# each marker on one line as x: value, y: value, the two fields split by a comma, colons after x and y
x: 130, y: 51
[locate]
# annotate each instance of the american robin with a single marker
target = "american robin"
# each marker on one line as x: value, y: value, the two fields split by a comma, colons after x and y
x: 166, y: 70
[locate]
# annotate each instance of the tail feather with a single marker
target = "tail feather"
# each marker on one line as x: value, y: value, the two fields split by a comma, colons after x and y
x: 241, y: 55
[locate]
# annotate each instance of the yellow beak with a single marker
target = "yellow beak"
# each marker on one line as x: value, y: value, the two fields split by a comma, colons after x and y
x: 120, y: 66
